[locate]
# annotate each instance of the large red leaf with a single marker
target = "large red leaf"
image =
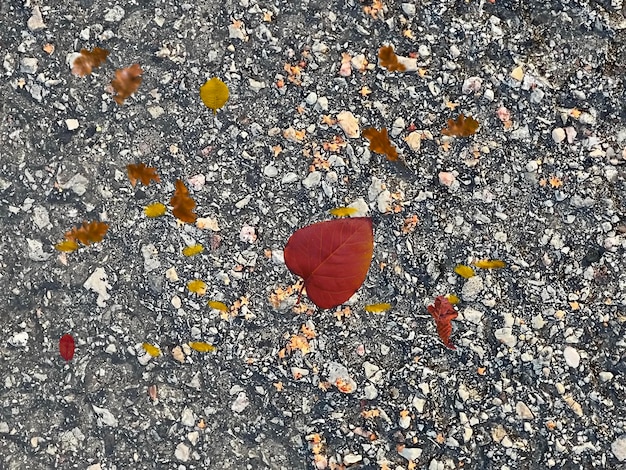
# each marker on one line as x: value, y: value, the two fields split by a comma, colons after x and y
x: 443, y: 313
x: 332, y: 257
x: 66, y: 347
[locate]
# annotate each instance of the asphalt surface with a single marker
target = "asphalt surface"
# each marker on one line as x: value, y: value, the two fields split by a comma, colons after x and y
x: 537, y: 379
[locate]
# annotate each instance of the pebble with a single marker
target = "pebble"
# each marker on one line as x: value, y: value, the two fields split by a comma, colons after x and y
x: 351, y: 459
x: 618, y: 447
x: 522, y: 410
x: 471, y: 85
x: 35, y: 22
x: 558, y: 135
x: 270, y: 171
x: 77, y: 183
x: 188, y: 418
x: 19, y: 340
x: 240, y: 403
x: 572, y: 358
x: 408, y: 9
x: 506, y: 336
x: 182, y: 452
x: 312, y: 180
x: 489, y: 95
x: 29, y: 65
x: 372, y: 372
x: 349, y: 124
x: 472, y: 315
x: 289, y: 178
x: 412, y: 454
x: 606, y: 376
x: 97, y: 283
x: 404, y: 421
x: 115, y: 14
x: 423, y: 50
x: 35, y: 250
x: 472, y: 287
x: 72, y: 124
x: 105, y: 416
x: 311, y: 98
x: 537, y: 95
x: 370, y: 391
x: 150, y: 258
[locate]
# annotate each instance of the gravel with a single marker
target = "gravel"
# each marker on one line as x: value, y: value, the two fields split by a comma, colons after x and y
x: 537, y: 379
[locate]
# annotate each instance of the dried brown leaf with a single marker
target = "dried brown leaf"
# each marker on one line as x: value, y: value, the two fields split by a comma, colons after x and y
x: 461, y: 127
x: 126, y: 82
x: 88, y: 233
x: 389, y: 59
x: 183, y: 204
x: 379, y: 142
x: 88, y: 60
x: 143, y: 173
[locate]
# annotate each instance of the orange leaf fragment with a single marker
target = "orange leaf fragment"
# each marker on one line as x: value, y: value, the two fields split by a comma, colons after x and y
x: 143, y: 173
x: 489, y: 264
x: 183, y: 204
x: 88, y: 233
x: 389, y: 59
x: 443, y: 312
x: 88, y: 60
x: 380, y: 143
x: 461, y: 127
x: 126, y: 82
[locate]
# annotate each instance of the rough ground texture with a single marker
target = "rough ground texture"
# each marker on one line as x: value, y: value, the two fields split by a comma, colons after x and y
x: 537, y: 379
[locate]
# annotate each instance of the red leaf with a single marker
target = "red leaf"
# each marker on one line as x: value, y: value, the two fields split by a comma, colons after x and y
x: 66, y: 347
x: 443, y: 312
x: 332, y: 257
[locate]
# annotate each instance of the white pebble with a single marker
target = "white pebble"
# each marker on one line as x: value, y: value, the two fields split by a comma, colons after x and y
x: 618, y: 447
x: 312, y: 180
x: 240, y: 403
x: 188, y: 418
x: 72, y: 124
x: 558, y: 135
x: 19, y: 340
x: 572, y: 358
x: 471, y: 85
x: 522, y: 410
x: 411, y: 453
x: 472, y: 287
x: 182, y: 452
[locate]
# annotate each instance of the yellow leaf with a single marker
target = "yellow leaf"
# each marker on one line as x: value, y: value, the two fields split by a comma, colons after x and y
x: 453, y: 299
x: 214, y: 94
x: 197, y: 286
x: 67, y: 246
x: 193, y: 250
x: 152, y: 350
x: 221, y: 306
x: 201, y: 346
x: 343, y: 211
x: 464, y: 271
x: 154, y: 210
x: 489, y: 264
x: 378, y: 308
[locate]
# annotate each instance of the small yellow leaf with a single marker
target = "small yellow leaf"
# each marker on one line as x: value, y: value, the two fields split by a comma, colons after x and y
x: 197, y: 286
x: 193, y: 250
x: 201, y: 346
x: 453, y: 299
x: 377, y: 308
x: 152, y: 350
x: 464, y: 271
x: 214, y: 94
x: 217, y: 305
x: 343, y: 211
x: 67, y: 246
x: 154, y: 210
x: 489, y: 264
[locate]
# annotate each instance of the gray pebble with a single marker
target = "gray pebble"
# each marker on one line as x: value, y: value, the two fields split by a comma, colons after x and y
x: 472, y: 287
x: 29, y: 65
